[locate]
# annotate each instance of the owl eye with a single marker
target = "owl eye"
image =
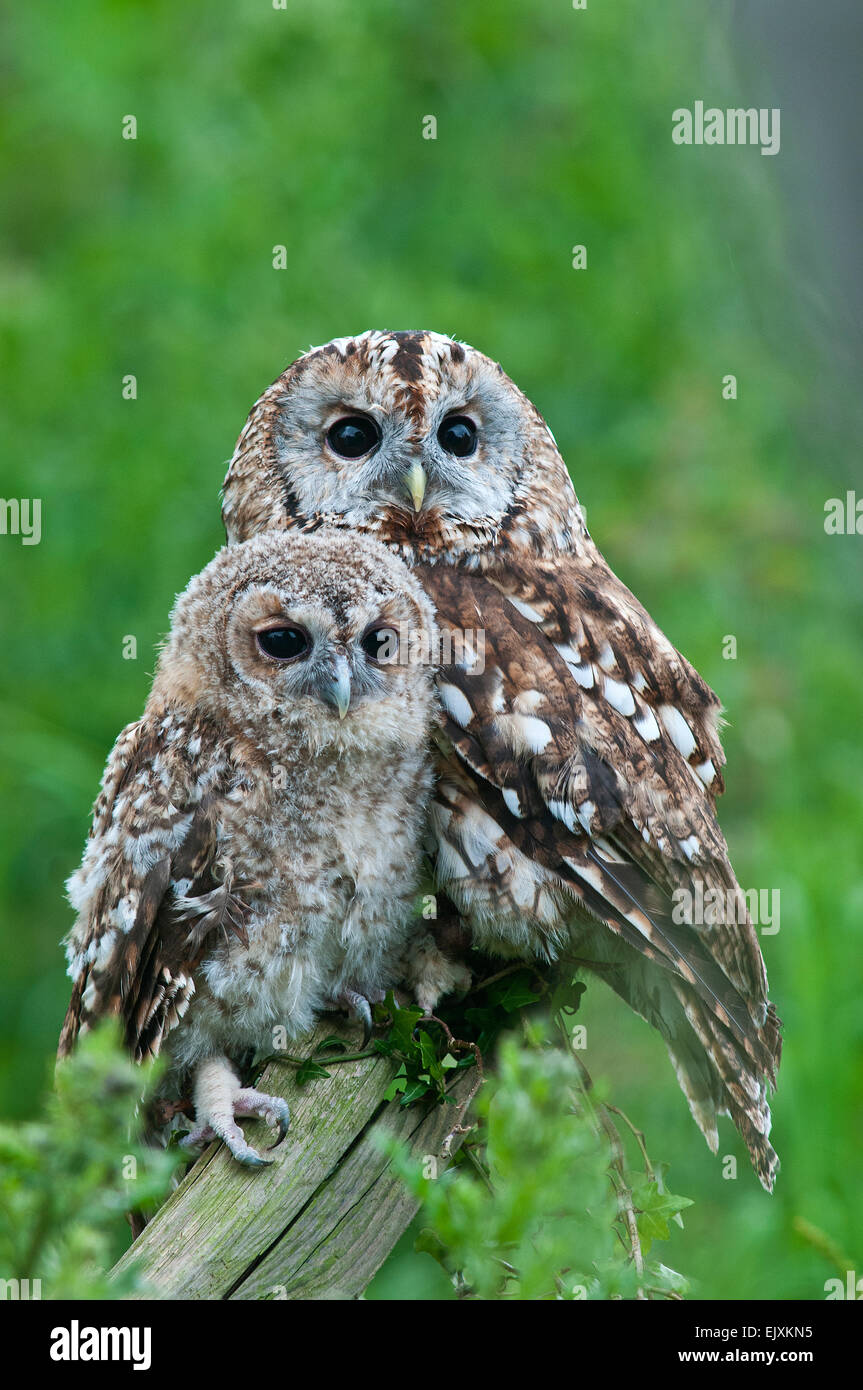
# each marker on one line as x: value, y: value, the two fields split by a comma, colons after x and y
x: 353, y: 436
x: 380, y: 644
x: 284, y: 643
x: 457, y: 435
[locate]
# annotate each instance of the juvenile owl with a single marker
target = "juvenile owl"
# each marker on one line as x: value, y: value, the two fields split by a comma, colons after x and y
x: 255, y: 848
x: 578, y: 757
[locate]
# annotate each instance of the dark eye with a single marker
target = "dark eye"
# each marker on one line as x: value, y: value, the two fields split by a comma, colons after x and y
x: 381, y: 644
x: 284, y: 643
x: 457, y: 435
x: 353, y: 436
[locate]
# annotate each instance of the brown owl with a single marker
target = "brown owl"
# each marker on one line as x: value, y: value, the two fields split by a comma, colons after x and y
x: 256, y: 845
x: 578, y: 757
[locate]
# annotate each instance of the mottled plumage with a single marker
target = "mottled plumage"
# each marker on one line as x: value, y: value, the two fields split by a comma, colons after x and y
x: 256, y: 845
x: 578, y: 763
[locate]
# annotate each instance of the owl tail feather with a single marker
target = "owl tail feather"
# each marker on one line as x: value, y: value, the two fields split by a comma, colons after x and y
x: 715, y: 1072
x: 738, y: 1089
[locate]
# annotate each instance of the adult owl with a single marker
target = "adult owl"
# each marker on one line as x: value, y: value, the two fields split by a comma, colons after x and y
x: 578, y: 758
x: 255, y: 848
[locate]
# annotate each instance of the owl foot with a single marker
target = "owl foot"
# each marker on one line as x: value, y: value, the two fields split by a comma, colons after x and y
x: 429, y: 974
x: 359, y: 1006
x: 220, y: 1100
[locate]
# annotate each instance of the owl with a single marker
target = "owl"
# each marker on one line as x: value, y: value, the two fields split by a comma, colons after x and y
x: 577, y: 753
x: 255, y: 849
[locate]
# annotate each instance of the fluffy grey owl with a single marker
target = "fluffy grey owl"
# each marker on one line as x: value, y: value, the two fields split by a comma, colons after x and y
x: 255, y: 848
x: 578, y: 765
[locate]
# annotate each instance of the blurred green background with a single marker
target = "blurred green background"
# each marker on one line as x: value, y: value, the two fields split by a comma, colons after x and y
x: 303, y: 127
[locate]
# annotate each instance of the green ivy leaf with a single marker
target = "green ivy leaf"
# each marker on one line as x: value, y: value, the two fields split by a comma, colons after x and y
x: 415, y: 1091
x: 404, y: 1022
x: 310, y: 1070
x: 566, y: 997
x: 397, y: 1085
x: 514, y: 992
x: 654, y: 1209
x: 428, y: 1053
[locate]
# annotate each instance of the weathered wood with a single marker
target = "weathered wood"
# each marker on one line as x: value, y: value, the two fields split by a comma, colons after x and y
x: 321, y: 1220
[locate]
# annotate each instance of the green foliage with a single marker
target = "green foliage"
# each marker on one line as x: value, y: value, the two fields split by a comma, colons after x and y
x: 67, y: 1179
x: 312, y: 1068
x: 540, y: 1206
x: 303, y: 127
x: 425, y: 1063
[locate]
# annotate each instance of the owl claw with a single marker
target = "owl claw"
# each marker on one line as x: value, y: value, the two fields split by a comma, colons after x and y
x: 253, y: 1160
x: 220, y: 1100
x: 364, y: 1012
x: 359, y: 1008
x: 283, y: 1119
x: 232, y: 1136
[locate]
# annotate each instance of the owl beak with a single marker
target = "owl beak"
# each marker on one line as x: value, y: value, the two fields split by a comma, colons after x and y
x: 336, y: 688
x: 416, y: 481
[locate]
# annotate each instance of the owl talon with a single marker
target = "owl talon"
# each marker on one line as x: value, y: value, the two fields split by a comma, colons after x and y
x: 363, y: 1013
x: 253, y: 1160
x: 359, y: 1007
x: 284, y: 1126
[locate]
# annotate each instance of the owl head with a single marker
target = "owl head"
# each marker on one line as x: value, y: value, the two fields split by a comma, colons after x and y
x: 325, y: 637
x: 412, y: 437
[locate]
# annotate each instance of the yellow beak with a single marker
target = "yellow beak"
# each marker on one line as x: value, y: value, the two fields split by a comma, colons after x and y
x: 416, y: 481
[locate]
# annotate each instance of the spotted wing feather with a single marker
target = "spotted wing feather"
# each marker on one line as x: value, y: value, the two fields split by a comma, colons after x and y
x: 574, y: 770
x: 146, y: 893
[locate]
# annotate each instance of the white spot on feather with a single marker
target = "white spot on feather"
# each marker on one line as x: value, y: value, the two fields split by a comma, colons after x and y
x: 646, y: 724
x: 527, y: 701
x: 525, y: 609
x: 456, y: 704
x: 706, y: 771
x: 678, y: 730
x: 526, y: 734
x: 563, y: 811
x: 597, y: 880
x: 513, y: 804
x: 618, y: 694
x: 608, y: 852
x: 606, y: 658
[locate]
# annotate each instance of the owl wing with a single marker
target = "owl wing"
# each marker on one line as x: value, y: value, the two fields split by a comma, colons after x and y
x: 148, y: 891
x: 580, y: 766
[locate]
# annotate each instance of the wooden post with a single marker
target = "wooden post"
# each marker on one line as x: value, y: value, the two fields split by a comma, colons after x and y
x: 322, y: 1219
